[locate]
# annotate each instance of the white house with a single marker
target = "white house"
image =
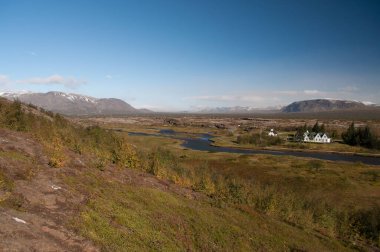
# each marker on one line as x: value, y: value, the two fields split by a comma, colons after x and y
x: 316, y: 137
x: 272, y: 133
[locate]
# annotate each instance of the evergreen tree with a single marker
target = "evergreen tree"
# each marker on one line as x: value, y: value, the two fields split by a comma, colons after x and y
x: 304, y: 128
x: 322, y: 128
x: 315, y: 127
x: 361, y: 136
x: 349, y: 136
x: 318, y: 128
x: 366, y: 138
x: 299, y: 133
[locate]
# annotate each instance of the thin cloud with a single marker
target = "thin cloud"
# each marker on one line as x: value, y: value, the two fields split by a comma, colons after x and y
x: 4, y: 80
x: 349, y: 89
x: 312, y: 92
x: 108, y: 76
x: 257, y: 99
x: 298, y: 92
x: 226, y: 98
x: 68, y: 82
x: 31, y: 53
x: 288, y: 92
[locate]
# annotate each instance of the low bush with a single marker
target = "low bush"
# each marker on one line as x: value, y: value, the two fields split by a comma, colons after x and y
x: 259, y: 139
x: 58, y: 135
x: 352, y: 225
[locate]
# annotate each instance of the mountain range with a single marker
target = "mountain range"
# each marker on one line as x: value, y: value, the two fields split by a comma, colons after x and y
x: 239, y: 110
x: 306, y: 106
x: 79, y: 105
x: 75, y: 104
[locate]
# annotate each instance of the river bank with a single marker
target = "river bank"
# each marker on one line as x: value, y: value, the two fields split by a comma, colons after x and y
x: 204, y: 142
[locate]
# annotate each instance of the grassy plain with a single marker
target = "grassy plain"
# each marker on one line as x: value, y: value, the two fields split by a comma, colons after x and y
x: 226, y: 128
x: 228, y: 140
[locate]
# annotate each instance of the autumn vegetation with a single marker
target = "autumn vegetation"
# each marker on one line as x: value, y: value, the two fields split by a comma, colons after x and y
x: 292, y: 195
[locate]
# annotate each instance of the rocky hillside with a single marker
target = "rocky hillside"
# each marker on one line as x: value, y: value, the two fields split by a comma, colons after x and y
x: 75, y: 104
x: 320, y: 105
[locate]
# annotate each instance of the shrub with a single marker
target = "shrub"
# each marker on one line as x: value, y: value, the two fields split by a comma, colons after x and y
x: 259, y: 139
x: 124, y: 155
x: 58, y: 135
x: 13, y: 116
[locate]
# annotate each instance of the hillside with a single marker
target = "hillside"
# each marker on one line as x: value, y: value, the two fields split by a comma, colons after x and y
x: 75, y: 104
x: 320, y: 105
x: 65, y: 187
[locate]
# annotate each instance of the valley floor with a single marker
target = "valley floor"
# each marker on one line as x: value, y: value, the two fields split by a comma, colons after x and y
x: 64, y: 187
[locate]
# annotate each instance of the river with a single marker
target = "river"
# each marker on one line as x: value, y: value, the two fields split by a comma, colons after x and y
x: 203, y: 142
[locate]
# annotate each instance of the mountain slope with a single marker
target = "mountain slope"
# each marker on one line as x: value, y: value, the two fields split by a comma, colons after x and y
x: 319, y: 105
x: 74, y: 104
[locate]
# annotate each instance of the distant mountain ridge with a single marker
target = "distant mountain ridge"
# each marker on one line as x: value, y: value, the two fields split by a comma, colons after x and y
x: 306, y: 106
x: 320, y: 105
x: 74, y: 104
x: 238, y: 110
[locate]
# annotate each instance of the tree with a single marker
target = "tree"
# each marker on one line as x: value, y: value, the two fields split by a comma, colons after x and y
x: 349, y: 137
x: 299, y: 132
x: 315, y: 127
x: 322, y: 128
x: 366, y: 138
x: 360, y: 136
x: 318, y: 128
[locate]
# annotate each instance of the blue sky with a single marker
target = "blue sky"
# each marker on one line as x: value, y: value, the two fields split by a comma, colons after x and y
x: 178, y: 55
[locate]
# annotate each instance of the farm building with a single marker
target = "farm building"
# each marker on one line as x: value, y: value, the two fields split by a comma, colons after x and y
x: 313, y: 137
x: 272, y: 133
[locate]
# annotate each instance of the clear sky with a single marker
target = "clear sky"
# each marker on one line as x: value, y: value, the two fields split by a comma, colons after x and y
x: 178, y: 55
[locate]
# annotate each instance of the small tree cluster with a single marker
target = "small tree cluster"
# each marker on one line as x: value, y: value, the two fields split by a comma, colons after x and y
x: 318, y: 128
x: 360, y: 136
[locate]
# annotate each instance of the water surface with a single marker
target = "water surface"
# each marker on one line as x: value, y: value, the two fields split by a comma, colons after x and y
x: 203, y: 142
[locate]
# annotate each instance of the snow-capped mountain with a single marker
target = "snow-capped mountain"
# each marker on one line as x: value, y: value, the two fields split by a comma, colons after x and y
x: 73, y: 104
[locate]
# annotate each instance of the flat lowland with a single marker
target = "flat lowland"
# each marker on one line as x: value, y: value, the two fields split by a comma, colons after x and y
x: 226, y: 128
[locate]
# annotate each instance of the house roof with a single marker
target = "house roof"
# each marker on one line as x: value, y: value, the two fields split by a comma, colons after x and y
x: 314, y: 134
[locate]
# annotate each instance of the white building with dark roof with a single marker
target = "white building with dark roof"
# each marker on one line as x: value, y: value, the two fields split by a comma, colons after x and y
x: 313, y: 137
x: 272, y: 133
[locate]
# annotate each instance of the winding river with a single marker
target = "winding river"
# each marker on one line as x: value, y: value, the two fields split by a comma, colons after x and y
x: 203, y: 142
